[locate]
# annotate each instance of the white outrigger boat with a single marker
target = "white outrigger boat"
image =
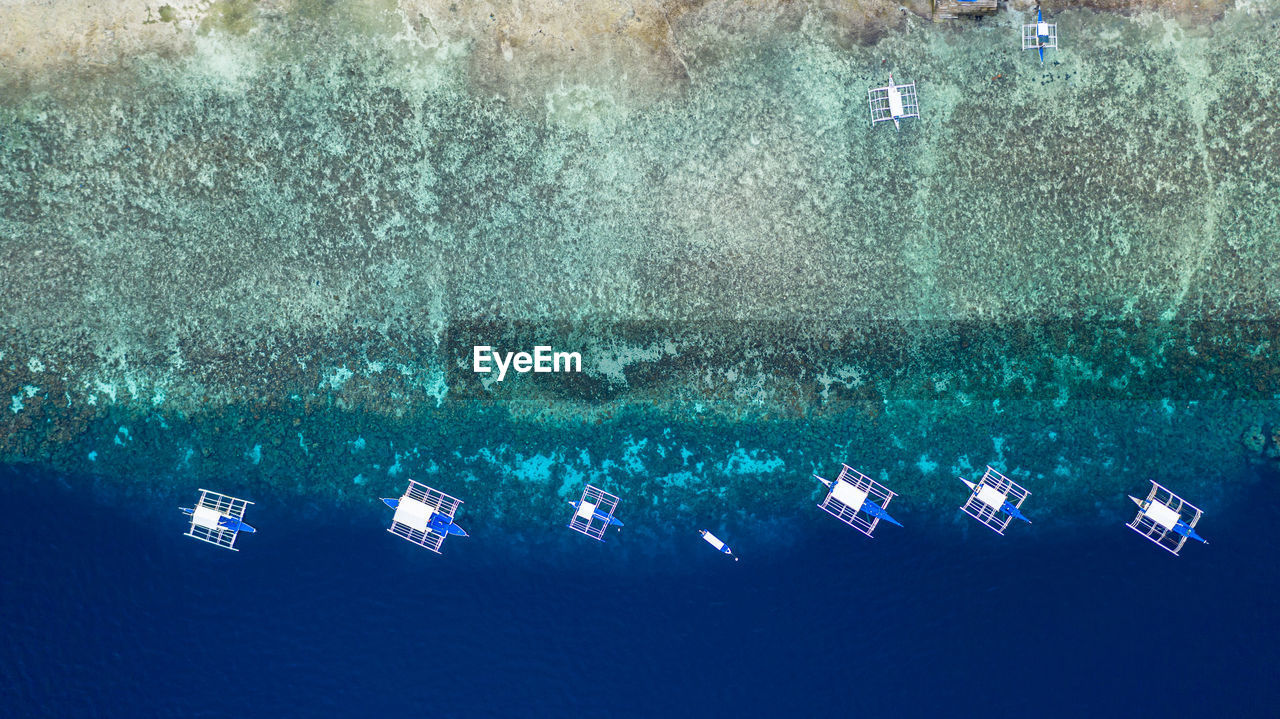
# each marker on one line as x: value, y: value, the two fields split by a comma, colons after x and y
x: 857, y: 500
x: 424, y: 516
x: 218, y: 519
x: 1040, y: 35
x: 1166, y: 519
x: 893, y: 102
x: 593, y: 513
x: 995, y: 500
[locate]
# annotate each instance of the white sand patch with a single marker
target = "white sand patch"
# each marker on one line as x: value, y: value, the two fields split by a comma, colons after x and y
x: 535, y: 469
x: 925, y: 465
x: 753, y: 462
x: 335, y: 378
x: 104, y: 388
x: 631, y: 455
x: 572, y: 484
x: 225, y: 62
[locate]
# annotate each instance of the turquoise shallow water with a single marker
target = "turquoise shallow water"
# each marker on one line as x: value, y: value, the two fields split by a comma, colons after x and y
x: 264, y: 264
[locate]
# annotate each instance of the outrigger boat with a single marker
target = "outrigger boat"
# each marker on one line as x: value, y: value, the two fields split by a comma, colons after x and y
x: 424, y: 516
x: 995, y: 500
x: 1005, y: 505
x: 231, y: 524
x: 218, y: 519
x: 1180, y: 526
x: 438, y: 522
x: 1161, y: 519
x: 601, y: 515
x: 893, y: 102
x: 868, y: 506
x: 593, y: 513
x: 1040, y: 35
x: 857, y: 500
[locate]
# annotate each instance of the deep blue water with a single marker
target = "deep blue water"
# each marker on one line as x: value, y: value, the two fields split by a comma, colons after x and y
x: 109, y: 611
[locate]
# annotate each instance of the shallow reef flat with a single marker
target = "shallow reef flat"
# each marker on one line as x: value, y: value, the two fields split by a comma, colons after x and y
x: 265, y: 252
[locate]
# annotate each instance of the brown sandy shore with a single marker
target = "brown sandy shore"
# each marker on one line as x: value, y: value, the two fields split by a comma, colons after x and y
x: 513, y: 38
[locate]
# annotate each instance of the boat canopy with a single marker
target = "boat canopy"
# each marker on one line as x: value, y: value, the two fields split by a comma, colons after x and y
x: 1162, y: 515
x: 991, y: 497
x: 413, y: 514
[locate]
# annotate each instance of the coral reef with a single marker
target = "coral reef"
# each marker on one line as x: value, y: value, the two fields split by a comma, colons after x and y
x: 278, y: 239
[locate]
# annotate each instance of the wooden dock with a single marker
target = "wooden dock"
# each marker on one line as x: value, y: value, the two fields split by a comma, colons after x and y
x: 952, y: 9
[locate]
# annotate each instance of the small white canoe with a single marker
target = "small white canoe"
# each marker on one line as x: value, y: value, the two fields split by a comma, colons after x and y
x: 714, y: 541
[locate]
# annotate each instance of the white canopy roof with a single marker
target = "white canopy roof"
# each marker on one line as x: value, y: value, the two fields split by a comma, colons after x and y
x: 586, y: 510
x: 413, y: 514
x: 991, y: 497
x: 206, y: 517
x: 1162, y: 515
x: 849, y: 495
x: 895, y: 101
x: 713, y: 540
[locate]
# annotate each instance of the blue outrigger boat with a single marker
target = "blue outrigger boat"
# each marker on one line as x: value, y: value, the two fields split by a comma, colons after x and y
x: 439, y: 523
x: 1005, y: 506
x: 1040, y: 35
x: 601, y: 515
x: 1180, y: 527
x: 593, y: 513
x: 868, y: 505
x: 218, y: 519
x: 230, y: 524
x: 995, y: 500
